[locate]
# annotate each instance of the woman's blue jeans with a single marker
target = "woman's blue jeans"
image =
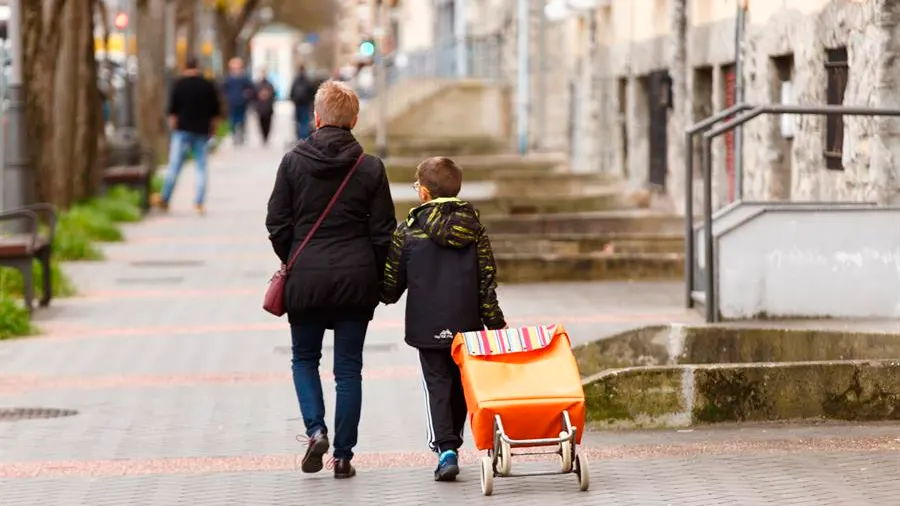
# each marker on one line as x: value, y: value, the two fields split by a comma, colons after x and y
x: 349, y: 337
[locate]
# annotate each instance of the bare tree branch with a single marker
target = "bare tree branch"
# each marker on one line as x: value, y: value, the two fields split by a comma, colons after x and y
x: 246, y: 11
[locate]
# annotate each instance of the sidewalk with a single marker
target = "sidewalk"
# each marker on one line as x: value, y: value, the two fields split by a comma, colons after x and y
x: 183, y: 392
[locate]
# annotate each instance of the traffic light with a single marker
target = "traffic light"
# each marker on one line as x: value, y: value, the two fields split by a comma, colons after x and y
x: 121, y: 21
x: 367, y: 48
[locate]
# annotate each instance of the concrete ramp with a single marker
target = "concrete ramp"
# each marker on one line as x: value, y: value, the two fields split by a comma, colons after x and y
x: 442, y: 117
x: 803, y: 260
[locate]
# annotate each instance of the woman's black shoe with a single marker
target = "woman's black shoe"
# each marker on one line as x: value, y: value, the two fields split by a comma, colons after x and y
x: 343, y: 469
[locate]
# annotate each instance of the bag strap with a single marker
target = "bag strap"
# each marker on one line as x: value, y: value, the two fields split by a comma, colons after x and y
x: 324, y: 214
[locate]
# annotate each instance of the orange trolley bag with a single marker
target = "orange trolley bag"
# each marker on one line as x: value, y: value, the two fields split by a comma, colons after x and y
x: 522, y: 390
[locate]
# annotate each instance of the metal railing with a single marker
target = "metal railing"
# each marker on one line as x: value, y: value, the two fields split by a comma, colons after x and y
x: 748, y: 113
x: 689, y: 134
x: 483, y: 60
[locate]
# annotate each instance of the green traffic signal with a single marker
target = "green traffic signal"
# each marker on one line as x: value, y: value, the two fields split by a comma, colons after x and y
x: 367, y: 48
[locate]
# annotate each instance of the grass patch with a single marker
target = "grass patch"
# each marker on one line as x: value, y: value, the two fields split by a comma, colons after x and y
x: 156, y: 184
x: 14, y: 319
x: 11, y: 283
x: 95, y: 220
x: 95, y: 224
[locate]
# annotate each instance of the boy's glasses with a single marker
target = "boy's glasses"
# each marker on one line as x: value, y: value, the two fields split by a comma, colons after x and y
x: 416, y: 185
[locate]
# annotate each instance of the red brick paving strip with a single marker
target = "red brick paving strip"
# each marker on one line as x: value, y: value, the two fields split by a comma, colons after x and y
x: 20, y: 383
x: 65, y: 332
x: 386, y: 460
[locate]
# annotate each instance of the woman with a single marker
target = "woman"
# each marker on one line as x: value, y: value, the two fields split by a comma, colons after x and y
x: 335, y: 282
x: 265, y: 105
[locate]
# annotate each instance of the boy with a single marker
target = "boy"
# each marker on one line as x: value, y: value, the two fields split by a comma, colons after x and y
x: 442, y: 254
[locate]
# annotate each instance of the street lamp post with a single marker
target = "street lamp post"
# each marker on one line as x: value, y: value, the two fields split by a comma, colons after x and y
x: 17, y: 174
x: 381, y: 92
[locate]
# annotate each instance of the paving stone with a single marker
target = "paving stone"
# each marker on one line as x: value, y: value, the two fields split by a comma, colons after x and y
x: 184, y: 395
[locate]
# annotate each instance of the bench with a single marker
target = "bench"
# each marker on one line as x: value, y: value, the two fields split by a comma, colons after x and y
x: 138, y: 177
x: 20, y: 249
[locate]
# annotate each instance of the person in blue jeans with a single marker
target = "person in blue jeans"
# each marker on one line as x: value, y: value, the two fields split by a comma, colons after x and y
x: 336, y: 280
x: 238, y: 90
x: 193, y: 112
x: 303, y: 92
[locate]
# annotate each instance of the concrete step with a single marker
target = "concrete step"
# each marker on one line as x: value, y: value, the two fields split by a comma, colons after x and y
x: 526, y: 182
x: 423, y: 147
x: 401, y: 97
x: 478, y: 167
x: 576, y: 244
x: 630, y: 220
x: 679, y: 376
x: 533, y: 268
x: 542, y: 205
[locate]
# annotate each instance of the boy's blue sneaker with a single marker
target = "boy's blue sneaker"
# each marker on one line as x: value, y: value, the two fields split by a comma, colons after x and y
x: 448, y: 466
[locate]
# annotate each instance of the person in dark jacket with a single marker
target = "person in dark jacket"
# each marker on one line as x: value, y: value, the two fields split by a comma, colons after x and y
x: 443, y: 256
x: 265, y: 105
x: 238, y: 91
x: 303, y: 91
x: 336, y: 280
x: 194, y: 110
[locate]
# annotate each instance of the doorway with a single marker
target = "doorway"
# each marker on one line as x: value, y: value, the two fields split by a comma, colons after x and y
x: 659, y: 99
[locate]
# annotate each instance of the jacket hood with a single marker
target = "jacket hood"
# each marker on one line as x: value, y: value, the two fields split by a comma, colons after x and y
x: 332, y: 151
x: 449, y: 222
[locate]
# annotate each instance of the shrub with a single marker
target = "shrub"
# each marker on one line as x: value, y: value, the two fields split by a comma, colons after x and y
x: 156, y: 184
x: 91, y: 222
x: 120, y: 204
x: 14, y: 319
x: 11, y: 281
x: 72, y: 243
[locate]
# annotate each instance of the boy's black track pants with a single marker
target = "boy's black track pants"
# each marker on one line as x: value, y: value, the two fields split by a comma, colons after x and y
x: 445, y: 402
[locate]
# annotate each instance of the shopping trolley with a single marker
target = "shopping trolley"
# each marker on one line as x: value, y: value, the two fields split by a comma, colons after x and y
x: 523, y: 390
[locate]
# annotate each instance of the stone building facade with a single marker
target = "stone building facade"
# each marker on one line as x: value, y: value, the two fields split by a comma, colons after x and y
x: 657, y: 66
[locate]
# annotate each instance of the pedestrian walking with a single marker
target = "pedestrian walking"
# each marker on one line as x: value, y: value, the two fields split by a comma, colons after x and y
x: 194, y: 110
x: 330, y: 220
x: 443, y: 255
x: 238, y: 91
x: 265, y: 105
x: 303, y: 92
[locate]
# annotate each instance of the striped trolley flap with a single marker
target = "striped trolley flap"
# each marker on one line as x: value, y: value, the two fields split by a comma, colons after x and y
x: 501, y: 342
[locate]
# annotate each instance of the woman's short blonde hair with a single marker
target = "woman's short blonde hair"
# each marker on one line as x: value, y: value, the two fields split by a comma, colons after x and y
x: 336, y: 104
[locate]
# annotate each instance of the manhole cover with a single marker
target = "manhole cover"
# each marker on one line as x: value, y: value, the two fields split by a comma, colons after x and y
x: 167, y: 263
x: 14, y: 414
x: 377, y: 348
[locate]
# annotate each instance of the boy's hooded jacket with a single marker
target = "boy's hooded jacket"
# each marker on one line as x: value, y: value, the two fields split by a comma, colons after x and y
x: 443, y: 256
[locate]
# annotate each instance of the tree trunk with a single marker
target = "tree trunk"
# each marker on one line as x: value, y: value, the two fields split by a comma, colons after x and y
x: 40, y: 51
x: 151, y: 84
x: 65, y: 91
x: 86, y: 170
x: 61, y: 98
x: 228, y: 43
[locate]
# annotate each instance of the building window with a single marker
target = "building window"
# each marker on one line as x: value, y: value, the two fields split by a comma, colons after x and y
x: 837, y: 68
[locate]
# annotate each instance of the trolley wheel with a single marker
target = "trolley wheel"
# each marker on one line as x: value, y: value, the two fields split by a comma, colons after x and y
x: 487, y: 476
x: 504, y: 459
x: 582, y: 471
x: 565, y: 453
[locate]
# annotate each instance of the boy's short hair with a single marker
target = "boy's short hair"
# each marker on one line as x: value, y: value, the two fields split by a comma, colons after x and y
x: 336, y: 104
x: 441, y: 176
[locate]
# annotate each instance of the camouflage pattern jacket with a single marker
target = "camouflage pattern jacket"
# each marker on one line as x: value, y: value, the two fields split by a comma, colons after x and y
x: 442, y: 255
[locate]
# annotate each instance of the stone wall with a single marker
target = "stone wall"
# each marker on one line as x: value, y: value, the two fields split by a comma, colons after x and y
x: 773, y: 168
x: 869, y: 32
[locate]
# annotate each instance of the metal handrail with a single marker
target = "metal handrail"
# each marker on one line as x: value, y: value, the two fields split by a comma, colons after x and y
x: 689, y: 134
x: 712, y: 312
